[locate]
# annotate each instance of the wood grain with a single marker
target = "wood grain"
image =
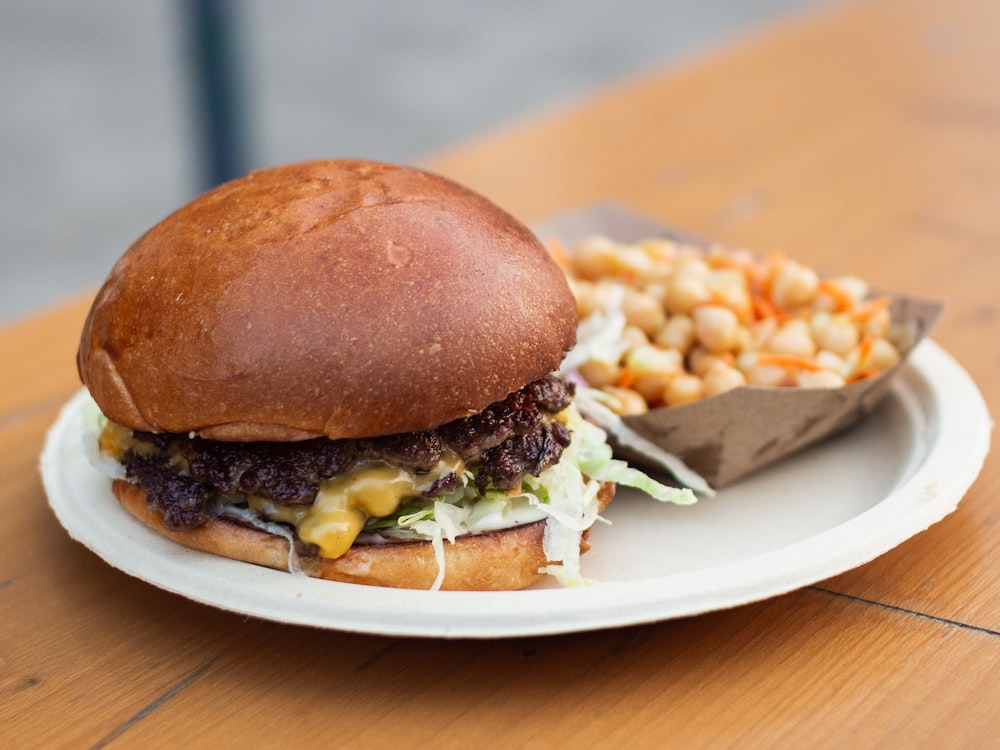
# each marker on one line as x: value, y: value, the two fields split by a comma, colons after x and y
x: 863, y: 138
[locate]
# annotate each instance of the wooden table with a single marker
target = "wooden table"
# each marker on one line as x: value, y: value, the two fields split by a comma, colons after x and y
x: 863, y: 137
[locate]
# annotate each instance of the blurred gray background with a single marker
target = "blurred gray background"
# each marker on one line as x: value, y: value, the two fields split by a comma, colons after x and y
x: 102, y: 130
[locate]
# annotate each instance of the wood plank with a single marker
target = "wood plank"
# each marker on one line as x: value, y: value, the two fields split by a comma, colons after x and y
x: 861, y: 139
x: 764, y: 675
x: 40, y: 358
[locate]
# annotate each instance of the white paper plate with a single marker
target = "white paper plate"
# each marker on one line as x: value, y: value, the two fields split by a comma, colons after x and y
x: 817, y: 514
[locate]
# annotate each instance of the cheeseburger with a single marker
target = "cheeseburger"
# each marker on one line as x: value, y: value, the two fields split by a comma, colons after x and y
x: 347, y: 369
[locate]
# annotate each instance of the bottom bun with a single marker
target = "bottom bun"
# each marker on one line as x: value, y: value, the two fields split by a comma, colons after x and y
x: 495, y: 561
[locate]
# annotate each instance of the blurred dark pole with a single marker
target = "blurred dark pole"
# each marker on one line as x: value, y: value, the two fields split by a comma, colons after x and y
x: 211, y: 34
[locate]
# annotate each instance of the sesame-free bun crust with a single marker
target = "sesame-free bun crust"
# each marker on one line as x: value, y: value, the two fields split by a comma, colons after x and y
x: 342, y: 298
x: 509, y: 559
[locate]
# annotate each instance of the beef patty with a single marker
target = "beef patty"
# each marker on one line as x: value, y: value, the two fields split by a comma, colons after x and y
x: 508, y: 439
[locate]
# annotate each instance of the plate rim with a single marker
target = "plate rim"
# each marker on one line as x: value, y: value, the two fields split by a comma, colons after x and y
x: 928, y: 494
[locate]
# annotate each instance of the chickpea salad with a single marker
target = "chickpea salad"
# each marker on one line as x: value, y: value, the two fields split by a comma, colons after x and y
x: 664, y: 322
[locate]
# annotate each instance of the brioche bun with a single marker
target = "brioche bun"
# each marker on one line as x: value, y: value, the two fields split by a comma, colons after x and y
x: 341, y: 298
x: 344, y: 299
x: 507, y: 559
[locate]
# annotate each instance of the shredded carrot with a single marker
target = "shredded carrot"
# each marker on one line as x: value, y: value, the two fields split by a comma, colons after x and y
x: 868, y: 372
x: 627, y: 276
x: 764, y: 308
x: 626, y: 378
x: 841, y: 299
x: 864, y: 349
x: 744, y: 312
x: 758, y: 278
x: 788, y: 361
x: 868, y: 310
x: 769, y: 270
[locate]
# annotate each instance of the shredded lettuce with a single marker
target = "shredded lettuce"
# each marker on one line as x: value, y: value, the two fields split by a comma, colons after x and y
x: 600, y: 336
x: 565, y: 494
x: 590, y: 403
x: 597, y: 461
x: 241, y: 512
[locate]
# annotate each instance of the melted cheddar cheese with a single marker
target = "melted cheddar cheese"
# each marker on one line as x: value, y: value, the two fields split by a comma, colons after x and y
x: 345, y: 503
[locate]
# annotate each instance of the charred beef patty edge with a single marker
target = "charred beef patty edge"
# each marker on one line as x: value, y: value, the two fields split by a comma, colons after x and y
x: 182, y: 475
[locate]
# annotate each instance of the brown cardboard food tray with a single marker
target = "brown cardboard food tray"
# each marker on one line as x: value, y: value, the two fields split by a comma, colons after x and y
x: 731, y: 435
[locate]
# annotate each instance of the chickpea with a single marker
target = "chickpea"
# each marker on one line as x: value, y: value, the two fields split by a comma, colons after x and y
x: 722, y: 378
x: 595, y: 258
x: 838, y: 335
x: 599, y: 373
x: 700, y: 360
x: 794, y: 285
x: 720, y: 278
x: 676, y: 333
x: 683, y: 390
x: 744, y: 361
x: 634, y: 263
x: 642, y: 310
x: 766, y: 375
x: 660, y: 249
x: 718, y: 256
x: 652, y: 360
x: 591, y: 297
x: 830, y: 361
x: 628, y: 401
x: 685, y: 291
x: 855, y: 288
x: 792, y: 338
x: 651, y: 387
x: 883, y: 354
x: 843, y: 292
x: 634, y: 337
x: 654, y: 368
x: 716, y: 327
x: 728, y: 287
x: 877, y: 326
x: 818, y: 379
x: 691, y: 262
x: 657, y: 290
x: 743, y: 340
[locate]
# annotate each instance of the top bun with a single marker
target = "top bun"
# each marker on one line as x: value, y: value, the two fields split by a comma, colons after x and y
x: 344, y: 298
